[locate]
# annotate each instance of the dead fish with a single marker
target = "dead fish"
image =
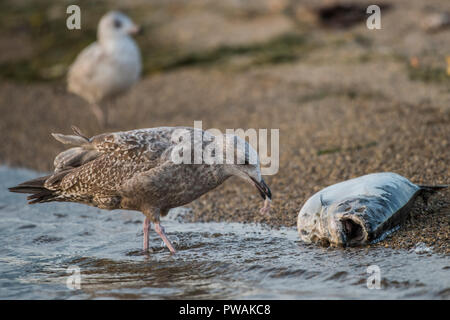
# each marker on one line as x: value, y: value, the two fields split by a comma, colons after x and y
x: 359, y: 211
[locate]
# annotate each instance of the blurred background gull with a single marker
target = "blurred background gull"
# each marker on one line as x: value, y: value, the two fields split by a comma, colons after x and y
x: 107, y: 67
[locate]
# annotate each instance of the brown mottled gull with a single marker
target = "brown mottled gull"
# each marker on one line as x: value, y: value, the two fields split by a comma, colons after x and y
x: 107, y: 67
x: 140, y: 170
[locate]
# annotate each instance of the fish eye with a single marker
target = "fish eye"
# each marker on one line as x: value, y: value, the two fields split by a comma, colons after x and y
x: 117, y: 23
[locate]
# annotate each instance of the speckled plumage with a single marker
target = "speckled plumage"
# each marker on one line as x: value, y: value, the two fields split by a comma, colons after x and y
x: 132, y: 170
x: 135, y: 170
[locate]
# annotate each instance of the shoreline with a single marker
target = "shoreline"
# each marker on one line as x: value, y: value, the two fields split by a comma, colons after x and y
x: 415, y: 232
x: 347, y: 101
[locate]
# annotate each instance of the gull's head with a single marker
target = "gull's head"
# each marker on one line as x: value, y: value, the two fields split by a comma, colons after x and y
x: 114, y: 25
x: 246, y: 164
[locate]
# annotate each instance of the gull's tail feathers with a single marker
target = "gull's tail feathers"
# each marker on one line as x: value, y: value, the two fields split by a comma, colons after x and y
x: 47, y: 188
x: 39, y: 193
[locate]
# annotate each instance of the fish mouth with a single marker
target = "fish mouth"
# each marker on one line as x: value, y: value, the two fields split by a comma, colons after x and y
x: 263, y: 189
x: 353, y: 232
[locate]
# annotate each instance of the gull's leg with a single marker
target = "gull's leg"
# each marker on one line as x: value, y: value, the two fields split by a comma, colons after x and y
x: 99, y: 114
x: 266, y: 208
x: 160, y: 231
x: 105, y: 109
x: 146, y: 227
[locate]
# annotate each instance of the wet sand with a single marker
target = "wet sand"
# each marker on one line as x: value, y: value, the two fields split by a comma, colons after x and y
x: 42, y: 246
x: 347, y: 103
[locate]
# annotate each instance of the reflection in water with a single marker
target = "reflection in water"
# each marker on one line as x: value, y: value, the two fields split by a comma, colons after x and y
x: 214, y: 260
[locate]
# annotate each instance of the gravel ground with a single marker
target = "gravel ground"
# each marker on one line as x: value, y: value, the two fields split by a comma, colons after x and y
x: 347, y: 103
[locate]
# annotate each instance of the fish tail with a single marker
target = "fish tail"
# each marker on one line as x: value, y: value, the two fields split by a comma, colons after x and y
x: 433, y: 189
x: 426, y: 191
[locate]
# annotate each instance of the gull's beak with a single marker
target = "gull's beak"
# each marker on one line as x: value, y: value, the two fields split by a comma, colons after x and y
x: 263, y: 189
x: 135, y: 30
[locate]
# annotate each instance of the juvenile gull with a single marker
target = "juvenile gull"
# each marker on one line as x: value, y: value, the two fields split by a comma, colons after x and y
x: 136, y: 170
x: 107, y: 67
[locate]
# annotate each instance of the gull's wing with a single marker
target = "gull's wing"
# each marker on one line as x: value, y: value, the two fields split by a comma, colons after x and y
x: 85, y: 64
x: 83, y: 73
x: 93, y: 75
x: 101, y: 164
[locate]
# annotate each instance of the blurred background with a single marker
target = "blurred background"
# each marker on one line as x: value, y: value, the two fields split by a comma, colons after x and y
x: 347, y: 100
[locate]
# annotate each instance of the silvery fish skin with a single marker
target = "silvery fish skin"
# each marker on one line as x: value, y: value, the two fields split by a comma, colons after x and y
x: 357, y: 211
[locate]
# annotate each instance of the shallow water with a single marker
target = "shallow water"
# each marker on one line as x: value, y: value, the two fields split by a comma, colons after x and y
x: 215, y: 260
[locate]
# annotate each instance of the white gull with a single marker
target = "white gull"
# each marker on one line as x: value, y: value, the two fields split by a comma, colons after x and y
x: 107, y: 67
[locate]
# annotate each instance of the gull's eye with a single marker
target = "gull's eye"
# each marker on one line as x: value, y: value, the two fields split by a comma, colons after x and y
x: 117, y: 23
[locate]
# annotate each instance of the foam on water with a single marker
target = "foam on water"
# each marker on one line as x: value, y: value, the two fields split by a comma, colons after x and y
x: 214, y: 260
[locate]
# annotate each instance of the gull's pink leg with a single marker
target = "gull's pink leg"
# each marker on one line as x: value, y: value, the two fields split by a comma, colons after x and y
x: 266, y: 208
x: 160, y: 230
x: 146, y: 227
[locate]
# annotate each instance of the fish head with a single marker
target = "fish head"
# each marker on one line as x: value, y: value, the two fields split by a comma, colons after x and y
x: 346, y: 224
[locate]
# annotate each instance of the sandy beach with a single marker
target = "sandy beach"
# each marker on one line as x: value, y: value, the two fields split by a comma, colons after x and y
x: 347, y: 101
